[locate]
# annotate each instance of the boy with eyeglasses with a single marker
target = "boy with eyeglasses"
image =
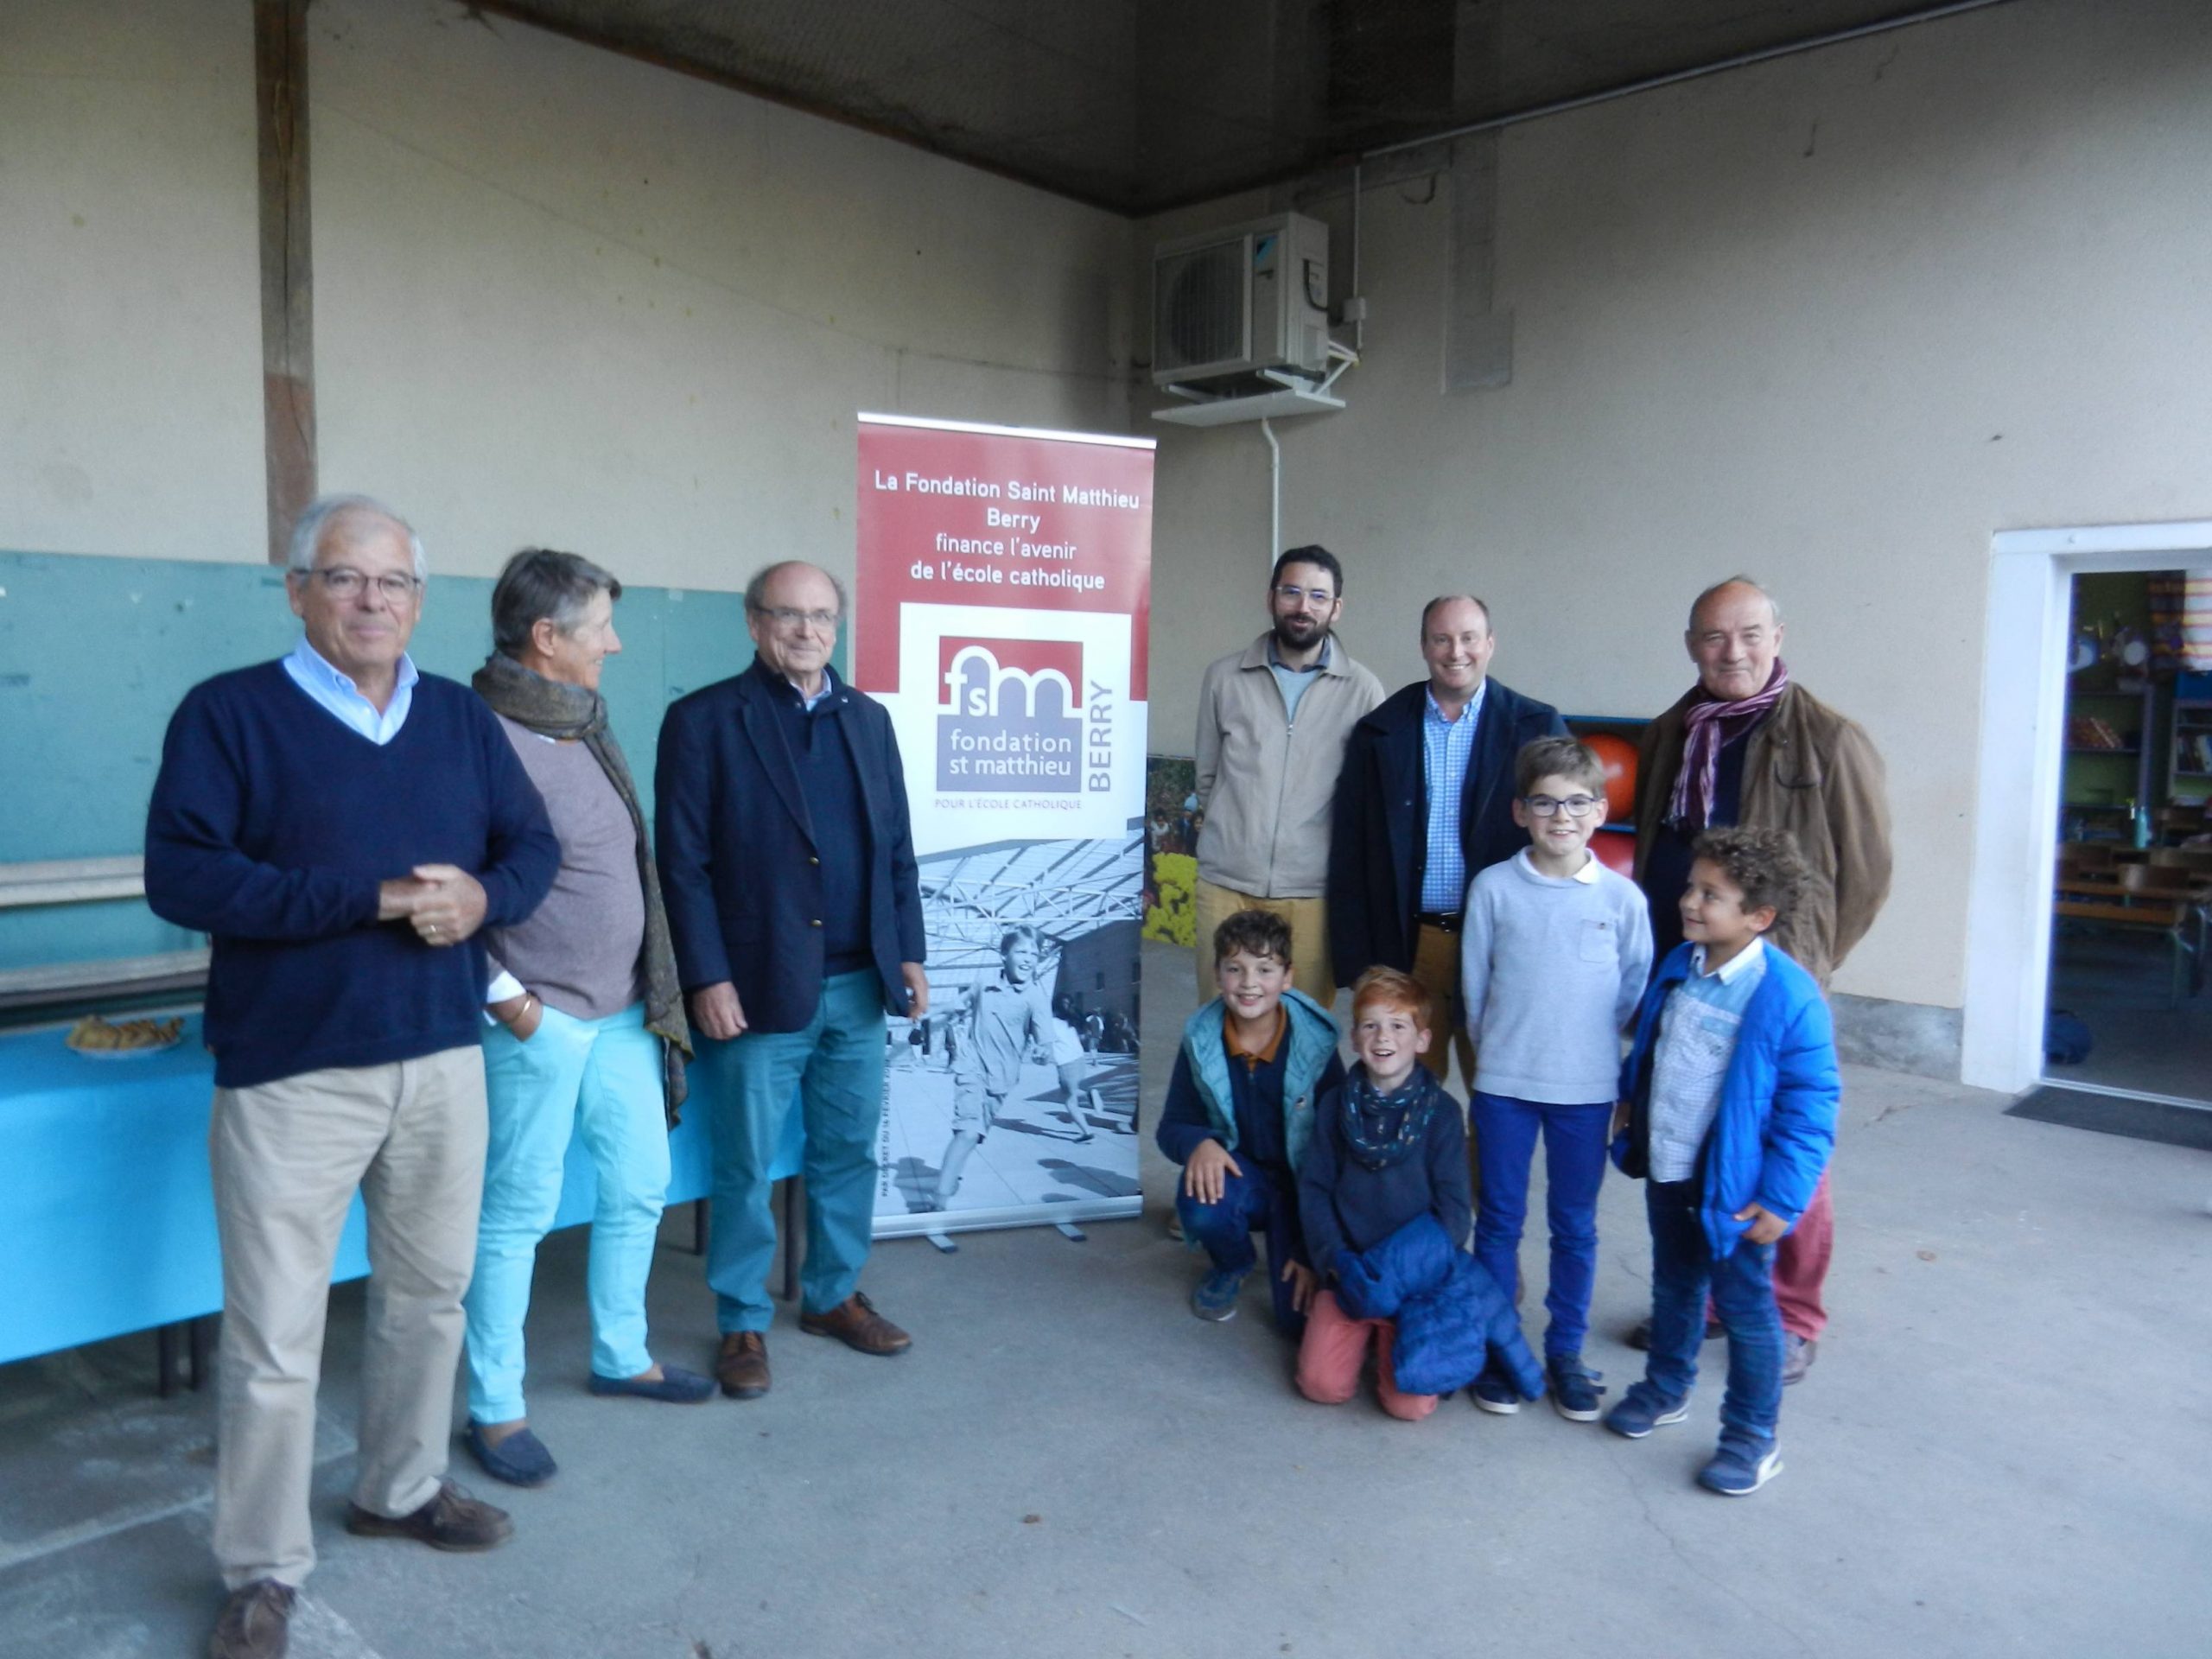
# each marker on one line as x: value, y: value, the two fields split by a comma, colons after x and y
x: 1554, y: 951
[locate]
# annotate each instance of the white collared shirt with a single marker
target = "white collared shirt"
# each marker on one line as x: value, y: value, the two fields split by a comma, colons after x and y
x: 337, y: 693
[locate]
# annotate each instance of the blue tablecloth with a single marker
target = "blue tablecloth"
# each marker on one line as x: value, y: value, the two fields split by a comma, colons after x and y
x: 107, y: 1224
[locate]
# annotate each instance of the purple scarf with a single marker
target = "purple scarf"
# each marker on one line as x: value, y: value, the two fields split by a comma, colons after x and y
x: 1712, y: 725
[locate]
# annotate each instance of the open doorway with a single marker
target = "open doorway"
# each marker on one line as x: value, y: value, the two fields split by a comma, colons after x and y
x: 2132, y: 871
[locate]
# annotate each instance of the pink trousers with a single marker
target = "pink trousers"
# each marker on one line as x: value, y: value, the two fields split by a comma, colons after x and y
x: 1329, y: 1359
x: 1800, y: 1266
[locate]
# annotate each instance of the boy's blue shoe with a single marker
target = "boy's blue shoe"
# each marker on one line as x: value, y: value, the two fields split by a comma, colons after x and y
x: 675, y: 1386
x: 1740, y: 1467
x: 1574, y: 1387
x: 1494, y: 1391
x: 1215, y: 1297
x: 521, y: 1459
x: 1644, y: 1408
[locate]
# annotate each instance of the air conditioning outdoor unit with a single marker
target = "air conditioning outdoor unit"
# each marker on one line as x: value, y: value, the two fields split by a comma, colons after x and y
x: 1240, y: 301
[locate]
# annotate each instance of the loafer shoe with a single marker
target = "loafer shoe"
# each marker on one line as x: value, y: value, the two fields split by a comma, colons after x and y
x: 521, y: 1459
x: 255, y: 1623
x: 452, y: 1520
x: 1740, y: 1467
x: 742, y: 1366
x: 1644, y: 1408
x: 855, y: 1323
x: 675, y: 1386
x: 1575, y: 1389
x: 1797, y: 1357
x: 1215, y: 1297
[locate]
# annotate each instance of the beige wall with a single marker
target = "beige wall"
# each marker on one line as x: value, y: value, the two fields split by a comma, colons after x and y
x: 130, y: 297
x: 562, y: 297
x: 1833, y: 320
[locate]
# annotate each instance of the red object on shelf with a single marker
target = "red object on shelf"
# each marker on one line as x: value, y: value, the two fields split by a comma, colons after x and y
x: 1618, y: 755
x: 1616, y: 849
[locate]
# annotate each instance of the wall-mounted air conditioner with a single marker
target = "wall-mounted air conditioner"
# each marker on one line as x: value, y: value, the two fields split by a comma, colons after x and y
x: 1241, y: 301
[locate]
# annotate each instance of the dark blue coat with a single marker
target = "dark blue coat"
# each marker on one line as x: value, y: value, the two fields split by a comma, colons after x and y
x: 1450, y: 1313
x: 1378, y: 846
x: 739, y: 866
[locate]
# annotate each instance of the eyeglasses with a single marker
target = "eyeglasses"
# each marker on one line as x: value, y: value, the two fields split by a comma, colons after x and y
x: 784, y: 617
x: 342, y: 583
x: 1575, y: 806
x: 1304, y: 596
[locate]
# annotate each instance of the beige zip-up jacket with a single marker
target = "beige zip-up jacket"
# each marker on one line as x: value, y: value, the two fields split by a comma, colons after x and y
x: 1265, y: 784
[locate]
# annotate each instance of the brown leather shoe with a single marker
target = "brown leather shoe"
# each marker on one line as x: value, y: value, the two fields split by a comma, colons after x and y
x: 855, y: 1323
x: 256, y: 1622
x: 452, y: 1520
x: 741, y: 1367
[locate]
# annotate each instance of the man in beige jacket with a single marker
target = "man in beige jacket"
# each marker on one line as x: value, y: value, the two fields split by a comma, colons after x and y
x: 1273, y: 719
x: 1748, y: 744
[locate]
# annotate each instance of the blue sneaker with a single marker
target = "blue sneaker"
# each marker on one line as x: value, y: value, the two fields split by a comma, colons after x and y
x: 1574, y: 1387
x: 1215, y: 1297
x: 1644, y: 1408
x: 1740, y: 1467
x: 1495, y: 1392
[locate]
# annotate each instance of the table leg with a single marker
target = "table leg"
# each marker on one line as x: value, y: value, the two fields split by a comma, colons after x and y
x: 200, y: 1350
x: 699, y: 1222
x: 165, y: 1361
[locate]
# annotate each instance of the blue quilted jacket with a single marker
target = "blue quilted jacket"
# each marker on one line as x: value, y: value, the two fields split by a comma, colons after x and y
x: 1451, y: 1315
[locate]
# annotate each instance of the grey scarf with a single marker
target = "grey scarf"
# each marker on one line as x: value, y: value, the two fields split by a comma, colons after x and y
x: 555, y: 710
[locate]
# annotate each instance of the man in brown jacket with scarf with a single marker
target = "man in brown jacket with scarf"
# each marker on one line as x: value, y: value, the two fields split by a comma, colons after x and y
x: 1746, y: 745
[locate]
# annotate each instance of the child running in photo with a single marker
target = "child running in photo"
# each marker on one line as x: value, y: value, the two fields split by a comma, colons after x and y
x: 1730, y: 1100
x: 1009, y: 1014
x: 1554, y: 951
x: 1238, y: 1117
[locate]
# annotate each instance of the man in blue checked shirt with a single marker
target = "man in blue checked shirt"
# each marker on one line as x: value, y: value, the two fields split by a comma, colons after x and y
x: 1424, y: 804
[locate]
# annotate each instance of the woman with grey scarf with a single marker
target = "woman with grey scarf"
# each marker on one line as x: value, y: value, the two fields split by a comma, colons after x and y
x: 586, y: 1031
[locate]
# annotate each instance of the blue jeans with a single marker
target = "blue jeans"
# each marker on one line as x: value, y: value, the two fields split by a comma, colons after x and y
x: 601, y: 1078
x: 1741, y: 1285
x: 1574, y: 1165
x: 1254, y: 1200
x: 835, y: 1063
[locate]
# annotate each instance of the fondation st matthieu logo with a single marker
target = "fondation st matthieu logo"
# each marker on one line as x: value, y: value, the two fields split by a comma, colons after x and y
x: 1010, y: 716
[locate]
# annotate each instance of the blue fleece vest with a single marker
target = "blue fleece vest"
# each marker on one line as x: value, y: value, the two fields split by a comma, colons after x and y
x: 1312, y: 1040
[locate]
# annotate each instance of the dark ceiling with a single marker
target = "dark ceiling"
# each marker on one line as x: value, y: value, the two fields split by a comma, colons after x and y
x: 1141, y: 105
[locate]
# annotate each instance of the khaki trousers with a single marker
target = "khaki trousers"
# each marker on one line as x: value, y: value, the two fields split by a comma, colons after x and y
x: 1436, y: 966
x: 1309, y: 936
x: 286, y: 1158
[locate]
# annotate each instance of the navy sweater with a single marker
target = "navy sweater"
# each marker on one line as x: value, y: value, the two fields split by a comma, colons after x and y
x: 1344, y: 1205
x: 271, y: 827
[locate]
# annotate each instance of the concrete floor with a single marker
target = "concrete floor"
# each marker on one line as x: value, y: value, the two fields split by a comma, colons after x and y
x: 2003, y: 1450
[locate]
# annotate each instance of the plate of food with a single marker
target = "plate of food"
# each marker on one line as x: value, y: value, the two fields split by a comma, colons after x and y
x: 127, y: 1040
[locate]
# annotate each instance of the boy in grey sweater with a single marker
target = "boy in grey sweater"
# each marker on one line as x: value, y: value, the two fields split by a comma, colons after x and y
x: 1553, y: 953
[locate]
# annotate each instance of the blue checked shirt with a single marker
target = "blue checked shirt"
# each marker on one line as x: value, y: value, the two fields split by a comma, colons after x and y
x: 1445, y: 748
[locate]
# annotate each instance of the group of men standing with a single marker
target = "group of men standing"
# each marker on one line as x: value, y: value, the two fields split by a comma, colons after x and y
x: 444, y: 946
x: 1361, y: 818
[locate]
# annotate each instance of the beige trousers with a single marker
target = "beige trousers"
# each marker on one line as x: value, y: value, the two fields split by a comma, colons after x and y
x: 1436, y: 966
x: 1309, y: 936
x: 287, y: 1157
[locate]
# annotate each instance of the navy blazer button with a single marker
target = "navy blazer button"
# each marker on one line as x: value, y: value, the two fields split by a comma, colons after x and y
x: 814, y: 861
x: 816, y: 922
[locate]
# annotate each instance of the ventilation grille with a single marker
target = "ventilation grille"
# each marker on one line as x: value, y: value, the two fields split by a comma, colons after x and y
x: 1202, y: 303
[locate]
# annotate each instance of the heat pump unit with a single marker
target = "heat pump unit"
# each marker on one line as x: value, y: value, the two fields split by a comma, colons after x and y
x: 1240, y: 301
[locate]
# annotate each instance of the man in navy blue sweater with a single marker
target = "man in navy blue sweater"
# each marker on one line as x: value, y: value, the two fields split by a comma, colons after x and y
x: 787, y: 863
x: 342, y: 826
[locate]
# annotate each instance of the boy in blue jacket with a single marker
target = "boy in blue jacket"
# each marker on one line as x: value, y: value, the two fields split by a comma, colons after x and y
x: 1239, y: 1117
x: 1730, y: 1100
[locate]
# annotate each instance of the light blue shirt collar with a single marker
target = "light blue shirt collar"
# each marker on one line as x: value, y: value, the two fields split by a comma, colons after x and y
x: 342, y: 698
x: 1473, y: 711
x: 1735, y: 967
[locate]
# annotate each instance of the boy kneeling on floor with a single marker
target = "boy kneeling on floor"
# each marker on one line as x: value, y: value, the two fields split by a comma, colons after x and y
x: 1384, y: 1197
x: 1239, y: 1115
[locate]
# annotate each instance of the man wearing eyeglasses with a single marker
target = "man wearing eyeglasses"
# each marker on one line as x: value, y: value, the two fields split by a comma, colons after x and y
x: 343, y: 826
x: 1272, y: 723
x: 788, y: 869
x: 1424, y: 805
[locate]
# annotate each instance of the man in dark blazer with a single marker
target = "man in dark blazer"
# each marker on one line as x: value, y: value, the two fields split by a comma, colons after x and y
x: 788, y: 869
x: 1425, y: 803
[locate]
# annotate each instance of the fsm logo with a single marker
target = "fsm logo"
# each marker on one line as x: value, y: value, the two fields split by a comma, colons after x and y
x: 1009, y: 716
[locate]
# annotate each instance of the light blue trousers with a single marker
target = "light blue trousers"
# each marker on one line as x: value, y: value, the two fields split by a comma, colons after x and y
x: 835, y: 1064
x: 602, y: 1078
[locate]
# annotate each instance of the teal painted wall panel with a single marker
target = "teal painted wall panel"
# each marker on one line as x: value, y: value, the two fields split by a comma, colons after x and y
x: 95, y: 654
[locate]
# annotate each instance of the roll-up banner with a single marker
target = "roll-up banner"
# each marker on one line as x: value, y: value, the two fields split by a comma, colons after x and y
x: 1001, y: 613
